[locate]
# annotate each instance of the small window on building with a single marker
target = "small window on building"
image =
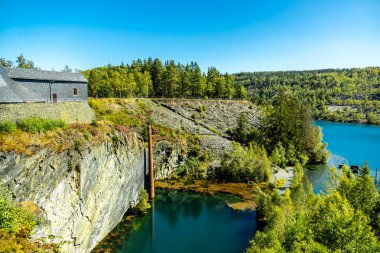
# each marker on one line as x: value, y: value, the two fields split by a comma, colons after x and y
x: 75, y: 91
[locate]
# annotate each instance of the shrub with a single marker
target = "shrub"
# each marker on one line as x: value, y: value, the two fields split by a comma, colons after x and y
x: 13, y: 219
x: 201, y: 108
x: 214, y: 130
x: 37, y: 124
x: 70, y: 166
x: 77, y: 145
x: 194, y: 168
x: 7, y: 126
x: 243, y: 164
x: 115, y: 139
x: 86, y: 135
x: 12, y: 243
x: 94, y: 123
x: 143, y: 205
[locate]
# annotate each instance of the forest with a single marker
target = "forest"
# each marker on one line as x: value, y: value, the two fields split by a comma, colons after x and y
x: 350, y: 95
x: 152, y: 78
x: 343, y: 218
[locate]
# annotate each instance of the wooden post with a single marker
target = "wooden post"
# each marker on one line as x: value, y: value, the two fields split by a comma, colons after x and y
x: 151, y: 170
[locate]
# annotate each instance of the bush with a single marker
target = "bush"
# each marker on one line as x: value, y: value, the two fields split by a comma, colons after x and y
x: 37, y: 124
x: 115, y: 139
x: 143, y: 205
x: 13, y: 219
x: 7, y: 126
x: 243, y: 164
x: 12, y: 243
x: 215, y: 131
x: 77, y: 145
x: 193, y: 168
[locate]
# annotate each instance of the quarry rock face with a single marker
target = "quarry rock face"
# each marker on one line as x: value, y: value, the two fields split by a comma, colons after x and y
x: 168, y: 158
x: 82, y: 195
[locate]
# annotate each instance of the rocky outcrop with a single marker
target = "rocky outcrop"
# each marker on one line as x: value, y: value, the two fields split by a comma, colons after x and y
x: 168, y: 157
x: 82, y: 194
x: 216, y: 115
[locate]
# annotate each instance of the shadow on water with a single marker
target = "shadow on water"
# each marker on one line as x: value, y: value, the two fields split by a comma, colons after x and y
x: 317, y: 175
x: 189, y: 222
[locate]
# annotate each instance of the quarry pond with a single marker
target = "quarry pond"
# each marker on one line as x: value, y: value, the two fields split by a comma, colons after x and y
x: 349, y: 143
x: 189, y: 222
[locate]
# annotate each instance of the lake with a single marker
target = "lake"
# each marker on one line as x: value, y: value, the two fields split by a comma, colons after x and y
x: 188, y: 222
x: 348, y: 143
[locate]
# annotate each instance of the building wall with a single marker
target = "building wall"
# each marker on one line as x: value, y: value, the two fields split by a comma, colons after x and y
x: 71, y: 112
x: 64, y: 90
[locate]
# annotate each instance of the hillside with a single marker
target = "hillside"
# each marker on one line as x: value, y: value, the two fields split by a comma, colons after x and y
x: 210, y: 119
x: 350, y: 95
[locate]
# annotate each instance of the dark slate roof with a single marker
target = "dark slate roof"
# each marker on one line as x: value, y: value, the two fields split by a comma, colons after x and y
x: 33, y: 74
x: 13, y: 92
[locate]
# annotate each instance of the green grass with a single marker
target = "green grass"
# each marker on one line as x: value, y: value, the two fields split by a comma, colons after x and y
x: 7, y: 126
x: 38, y: 125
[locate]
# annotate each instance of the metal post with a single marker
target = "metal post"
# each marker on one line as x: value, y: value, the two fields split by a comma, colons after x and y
x: 376, y: 175
x: 151, y: 170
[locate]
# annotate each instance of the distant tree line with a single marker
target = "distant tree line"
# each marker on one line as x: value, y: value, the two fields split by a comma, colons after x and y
x: 355, y: 90
x: 152, y: 78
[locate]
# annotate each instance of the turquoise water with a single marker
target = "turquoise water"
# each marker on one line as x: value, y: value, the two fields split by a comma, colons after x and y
x: 348, y: 143
x: 187, y: 223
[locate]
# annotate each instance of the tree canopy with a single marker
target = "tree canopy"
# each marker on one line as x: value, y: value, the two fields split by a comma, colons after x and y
x: 152, y: 78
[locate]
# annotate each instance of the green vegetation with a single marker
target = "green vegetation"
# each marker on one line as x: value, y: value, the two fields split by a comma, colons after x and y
x: 77, y: 145
x: 21, y: 63
x: 37, y: 124
x: 243, y: 132
x: 16, y: 225
x: 244, y: 164
x: 350, y: 95
x: 287, y: 132
x: 143, y: 205
x: 13, y: 219
x: 343, y: 219
x: 7, y: 126
x: 289, y: 126
x: 152, y: 78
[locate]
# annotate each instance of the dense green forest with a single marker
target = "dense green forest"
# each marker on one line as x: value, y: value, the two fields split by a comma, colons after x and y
x: 152, y: 78
x: 334, y: 94
x: 344, y: 218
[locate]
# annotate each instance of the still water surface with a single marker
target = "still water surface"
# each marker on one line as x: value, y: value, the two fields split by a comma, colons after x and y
x: 187, y: 222
x: 348, y: 143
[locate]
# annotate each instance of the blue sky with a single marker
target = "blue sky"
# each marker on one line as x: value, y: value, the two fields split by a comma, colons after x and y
x: 230, y: 35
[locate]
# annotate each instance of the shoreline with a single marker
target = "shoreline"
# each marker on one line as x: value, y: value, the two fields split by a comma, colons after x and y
x: 243, y: 190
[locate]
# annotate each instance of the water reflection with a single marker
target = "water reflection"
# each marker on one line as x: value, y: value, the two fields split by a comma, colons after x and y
x: 187, y: 222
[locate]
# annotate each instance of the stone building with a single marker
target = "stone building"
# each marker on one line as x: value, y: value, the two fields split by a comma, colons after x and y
x: 18, y: 85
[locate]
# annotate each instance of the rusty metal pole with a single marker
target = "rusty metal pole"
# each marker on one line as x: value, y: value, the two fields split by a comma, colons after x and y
x: 151, y: 170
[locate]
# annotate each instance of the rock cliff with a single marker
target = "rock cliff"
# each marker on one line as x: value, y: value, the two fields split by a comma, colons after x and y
x: 82, y: 195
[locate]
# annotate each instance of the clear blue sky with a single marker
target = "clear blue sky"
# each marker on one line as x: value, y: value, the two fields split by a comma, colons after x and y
x: 230, y: 35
